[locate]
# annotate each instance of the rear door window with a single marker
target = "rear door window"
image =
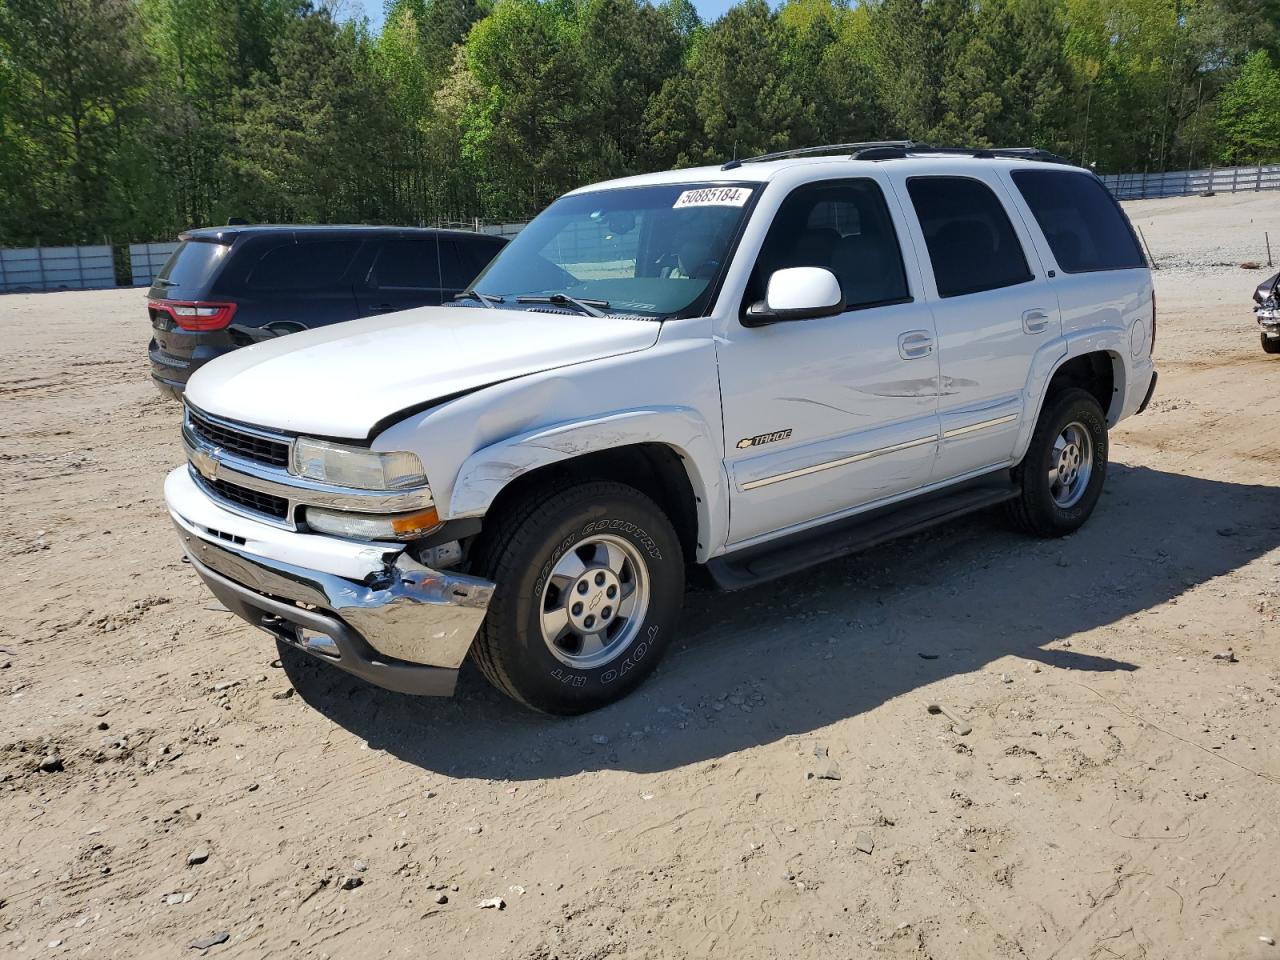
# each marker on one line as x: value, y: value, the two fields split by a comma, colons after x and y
x: 1081, y: 221
x: 474, y: 255
x: 406, y: 263
x: 305, y: 265
x: 456, y: 273
x: 972, y: 244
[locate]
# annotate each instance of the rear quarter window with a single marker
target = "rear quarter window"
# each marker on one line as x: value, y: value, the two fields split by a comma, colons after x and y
x: 1083, y: 224
x: 305, y: 265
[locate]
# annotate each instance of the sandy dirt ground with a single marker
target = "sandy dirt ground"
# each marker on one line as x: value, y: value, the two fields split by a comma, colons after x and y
x: 1119, y: 795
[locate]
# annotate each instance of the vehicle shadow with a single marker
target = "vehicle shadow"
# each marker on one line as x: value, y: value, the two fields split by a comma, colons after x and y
x: 800, y: 653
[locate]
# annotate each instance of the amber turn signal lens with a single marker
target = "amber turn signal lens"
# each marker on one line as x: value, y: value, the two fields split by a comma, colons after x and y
x: 416, y: 523
x: 373, y: 526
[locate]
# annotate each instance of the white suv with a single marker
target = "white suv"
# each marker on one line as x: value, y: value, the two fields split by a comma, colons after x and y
x: 756, y: 367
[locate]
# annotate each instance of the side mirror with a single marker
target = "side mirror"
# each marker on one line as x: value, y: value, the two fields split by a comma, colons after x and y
x: 797, y: 293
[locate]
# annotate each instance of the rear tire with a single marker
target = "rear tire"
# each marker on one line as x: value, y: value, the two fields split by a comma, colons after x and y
x: 1270, y: 344
x: 589, y: 584
x: 1060, y: 479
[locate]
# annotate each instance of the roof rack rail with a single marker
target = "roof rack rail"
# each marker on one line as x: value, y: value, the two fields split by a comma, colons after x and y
x: 851, y: 148
x: 897, y: 149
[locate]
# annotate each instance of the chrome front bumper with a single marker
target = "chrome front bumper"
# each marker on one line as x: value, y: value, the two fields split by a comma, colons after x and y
x: 401, y: 625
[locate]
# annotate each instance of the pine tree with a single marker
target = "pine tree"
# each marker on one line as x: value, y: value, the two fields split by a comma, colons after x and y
x: 312, y: 142
x: 1249, y: 113
x: 75, y: 73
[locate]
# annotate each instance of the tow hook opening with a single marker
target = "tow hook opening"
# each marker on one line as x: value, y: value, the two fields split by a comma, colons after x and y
x: 312, y: 641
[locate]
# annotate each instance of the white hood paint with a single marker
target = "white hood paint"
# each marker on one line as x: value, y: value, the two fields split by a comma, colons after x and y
x: 339, y: 381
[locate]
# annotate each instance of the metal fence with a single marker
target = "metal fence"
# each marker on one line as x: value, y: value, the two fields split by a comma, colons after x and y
x: 146, y: 259
x: 56, y: 268
x: 477, y: 225
x: 1187, y: 183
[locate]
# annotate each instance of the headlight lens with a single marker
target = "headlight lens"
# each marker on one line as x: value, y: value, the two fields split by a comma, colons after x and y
x: 355, y: 466
x: 373, y: 526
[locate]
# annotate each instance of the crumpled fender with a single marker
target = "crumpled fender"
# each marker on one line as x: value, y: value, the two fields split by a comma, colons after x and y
x: 486, y: 472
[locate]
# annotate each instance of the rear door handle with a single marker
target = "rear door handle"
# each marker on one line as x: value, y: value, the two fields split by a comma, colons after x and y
x: 915, y: 344
x: 1035, y: 320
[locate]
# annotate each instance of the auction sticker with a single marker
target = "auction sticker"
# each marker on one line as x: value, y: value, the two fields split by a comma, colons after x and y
x: 713, y: 197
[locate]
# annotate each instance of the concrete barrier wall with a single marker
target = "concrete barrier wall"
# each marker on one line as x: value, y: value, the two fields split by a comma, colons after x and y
x: 146, y: 259
x: 56, y: 268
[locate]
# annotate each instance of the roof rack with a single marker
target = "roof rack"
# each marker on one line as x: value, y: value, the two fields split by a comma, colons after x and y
x: 898, y: 149
x: 853, y: 149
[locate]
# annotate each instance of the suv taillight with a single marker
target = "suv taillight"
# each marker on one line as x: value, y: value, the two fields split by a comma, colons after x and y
x: 197, y: 315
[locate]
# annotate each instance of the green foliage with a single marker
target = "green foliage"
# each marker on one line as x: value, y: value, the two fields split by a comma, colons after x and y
x: 74, y: 75
x: 305, y: 146
x: 156, y: 115
x: 1249, y: 113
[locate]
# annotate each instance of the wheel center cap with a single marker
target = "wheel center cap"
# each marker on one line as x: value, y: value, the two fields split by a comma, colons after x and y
x: 593, y: 600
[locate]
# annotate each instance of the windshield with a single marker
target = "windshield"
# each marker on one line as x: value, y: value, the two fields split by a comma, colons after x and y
x: 651, y: 251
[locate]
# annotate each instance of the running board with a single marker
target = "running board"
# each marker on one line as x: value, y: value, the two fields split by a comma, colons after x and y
x: 799, y: 551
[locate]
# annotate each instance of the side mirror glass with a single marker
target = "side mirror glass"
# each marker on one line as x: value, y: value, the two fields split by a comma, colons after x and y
x: 798, y: 293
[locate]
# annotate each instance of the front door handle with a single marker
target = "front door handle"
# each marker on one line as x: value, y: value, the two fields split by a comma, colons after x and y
x: 1035, y: 320
x: 915, y: 344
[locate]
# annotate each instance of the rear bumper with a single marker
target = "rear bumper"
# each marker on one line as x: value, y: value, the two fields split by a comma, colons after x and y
x: 395, y: 623
x: 171, y: 373
x: 173, y: 389
x: 1150, y: 393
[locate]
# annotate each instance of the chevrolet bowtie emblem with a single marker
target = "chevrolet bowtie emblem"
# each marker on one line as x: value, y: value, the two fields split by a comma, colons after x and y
x: 206, y: 464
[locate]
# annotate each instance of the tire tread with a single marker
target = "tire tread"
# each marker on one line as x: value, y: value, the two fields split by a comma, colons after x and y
x: 1025, y: 511
x: 522, y: 522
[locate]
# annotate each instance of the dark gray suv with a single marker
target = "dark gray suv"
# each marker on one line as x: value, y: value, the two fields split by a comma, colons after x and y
x: 228, y: 287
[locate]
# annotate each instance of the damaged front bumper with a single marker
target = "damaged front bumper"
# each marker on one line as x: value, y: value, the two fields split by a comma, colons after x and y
x: 369, y: 609
x: 1269, y: 321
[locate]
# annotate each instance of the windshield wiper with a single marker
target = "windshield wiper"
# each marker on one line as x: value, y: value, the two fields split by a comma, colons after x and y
x: 590, y: 307
x: 487, y: 299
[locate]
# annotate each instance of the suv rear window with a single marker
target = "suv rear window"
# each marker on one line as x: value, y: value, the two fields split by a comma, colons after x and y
x: 1080, y: 219
x: 309, y: 265
x: 191, y: 266
x: 971, y: 242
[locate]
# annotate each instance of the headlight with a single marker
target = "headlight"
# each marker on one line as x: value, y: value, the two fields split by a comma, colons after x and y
x: 355, y: 466
x: 373, y: 526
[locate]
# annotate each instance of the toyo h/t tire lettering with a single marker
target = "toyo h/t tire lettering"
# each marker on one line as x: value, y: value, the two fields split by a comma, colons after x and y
x: 568, y: 560
x: 1061, y: 476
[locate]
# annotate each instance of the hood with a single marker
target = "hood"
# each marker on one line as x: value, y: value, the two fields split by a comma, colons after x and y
x: 1266, y: 288
x: 341, y: 380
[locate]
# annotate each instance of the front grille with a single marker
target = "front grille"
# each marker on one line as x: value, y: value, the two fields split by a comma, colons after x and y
x: 246, y: 445
x: 277, y: 507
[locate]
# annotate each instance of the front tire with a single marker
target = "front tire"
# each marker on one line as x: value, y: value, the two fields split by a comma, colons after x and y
x: 1270, y: 344
x: 589, y: 584
x: 1060, y: 479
